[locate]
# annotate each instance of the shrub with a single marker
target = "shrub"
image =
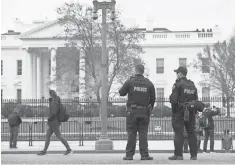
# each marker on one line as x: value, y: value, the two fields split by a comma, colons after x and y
x: 117, y: 111
x: 162, y: 111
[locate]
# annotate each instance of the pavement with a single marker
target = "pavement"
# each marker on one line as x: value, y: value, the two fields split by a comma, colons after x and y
x: 115, y: 158
x: 158, y: 146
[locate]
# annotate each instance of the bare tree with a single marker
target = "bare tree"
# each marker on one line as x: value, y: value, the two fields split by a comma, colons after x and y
x: 220, y: 60
x: 82, y: 32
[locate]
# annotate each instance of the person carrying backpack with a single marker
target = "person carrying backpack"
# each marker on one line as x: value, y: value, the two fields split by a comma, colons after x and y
x: 14, y: 121
x: 54, y: 123
x: 199, y: 132
x: 207, y: 124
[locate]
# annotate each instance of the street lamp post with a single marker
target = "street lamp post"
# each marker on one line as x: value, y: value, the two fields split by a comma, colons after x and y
x: 104, y: 143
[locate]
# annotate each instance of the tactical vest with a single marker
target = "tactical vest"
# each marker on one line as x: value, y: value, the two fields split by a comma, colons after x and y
x: 140, y: 91
x: 187, y: 92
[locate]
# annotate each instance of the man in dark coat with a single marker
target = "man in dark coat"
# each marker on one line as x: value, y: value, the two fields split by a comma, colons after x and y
x: 141, y: 99
x: 54, y: 124
x: 14, y: 121
x: 184, y: 92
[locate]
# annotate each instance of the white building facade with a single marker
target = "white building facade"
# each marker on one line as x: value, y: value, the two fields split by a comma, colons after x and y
x: 28, y: 59
x: 167, y: 50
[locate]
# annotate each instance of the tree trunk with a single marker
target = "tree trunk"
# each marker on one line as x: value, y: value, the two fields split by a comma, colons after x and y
x: 98, y: 97
x: 98, y: 100
x: 228, y: 106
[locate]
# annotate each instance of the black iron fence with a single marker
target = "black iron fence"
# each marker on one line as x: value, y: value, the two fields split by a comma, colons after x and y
x: 85, y: 124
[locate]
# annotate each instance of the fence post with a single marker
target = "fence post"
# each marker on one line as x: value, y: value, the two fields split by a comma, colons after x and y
x: 31, y: 132
x: 82, y: 132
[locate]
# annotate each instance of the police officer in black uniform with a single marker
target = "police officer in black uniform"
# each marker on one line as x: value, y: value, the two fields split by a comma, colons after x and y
x: 183, y: 93
x: 141, y: 99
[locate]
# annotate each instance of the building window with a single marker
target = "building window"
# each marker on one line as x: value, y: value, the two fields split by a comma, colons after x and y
x: 160, y: 65
x: 206, y: 93
x: 1, y: 67
x: 77, y: 89
x: 205, y: 65
x: 77, y: 67
x: 49, y: 67
x: 183, y: 62
x: 19, y: 67
x: 160, y: 92
x: 19, y: 94
x: 160, y: 97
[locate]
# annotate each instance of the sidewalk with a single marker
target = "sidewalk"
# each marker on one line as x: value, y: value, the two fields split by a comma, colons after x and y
x: 115, y: 158
x: 160, y: 146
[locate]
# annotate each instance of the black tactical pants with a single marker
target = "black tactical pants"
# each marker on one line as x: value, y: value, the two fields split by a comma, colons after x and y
x: 137, y: 120
x: 185, y: 141
x: 178, y: 125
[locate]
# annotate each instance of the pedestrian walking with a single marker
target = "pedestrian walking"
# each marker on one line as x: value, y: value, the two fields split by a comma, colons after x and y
x: 141, y: 99
x: 54, y: 124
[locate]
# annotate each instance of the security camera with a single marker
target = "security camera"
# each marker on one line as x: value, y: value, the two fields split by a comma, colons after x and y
x: 113, y: 16
x: 95, y: 16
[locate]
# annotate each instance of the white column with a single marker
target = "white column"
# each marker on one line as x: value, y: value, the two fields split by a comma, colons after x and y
x: 39, y: 77
x: 34, y: 73
x: 45, y: 77
x: 53, y: 68
x: 25, y: 74
x: 82, y: 74
x: 30, y: 77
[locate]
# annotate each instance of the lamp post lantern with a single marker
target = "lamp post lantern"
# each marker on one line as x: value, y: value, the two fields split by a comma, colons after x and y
x: 104, y: 143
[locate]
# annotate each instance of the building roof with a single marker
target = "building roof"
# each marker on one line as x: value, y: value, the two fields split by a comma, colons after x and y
x: 164, y: 30
x: 11, y: 32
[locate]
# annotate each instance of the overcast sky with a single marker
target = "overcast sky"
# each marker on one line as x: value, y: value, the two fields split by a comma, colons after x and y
x: 171, y: 14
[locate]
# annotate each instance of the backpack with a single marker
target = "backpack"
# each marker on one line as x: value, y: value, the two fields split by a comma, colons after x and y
x: 63, y: 115
x: 204, y: 122
x: 13, y: 120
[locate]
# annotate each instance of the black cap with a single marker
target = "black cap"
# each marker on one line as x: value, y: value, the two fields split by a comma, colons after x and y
x: 139, y: 68
x: 182, y: 70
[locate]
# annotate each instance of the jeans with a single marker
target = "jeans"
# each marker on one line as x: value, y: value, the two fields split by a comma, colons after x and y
x: 13, y: 136
x: 209, y: 133
x: 56, y: 130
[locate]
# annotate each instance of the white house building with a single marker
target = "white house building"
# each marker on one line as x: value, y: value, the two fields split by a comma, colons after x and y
x: 166, y: 50
x: 28, y: 58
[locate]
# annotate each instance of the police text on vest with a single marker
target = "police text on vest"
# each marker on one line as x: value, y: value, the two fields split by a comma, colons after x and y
x: 140, y: 89
x: 188, y: 91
